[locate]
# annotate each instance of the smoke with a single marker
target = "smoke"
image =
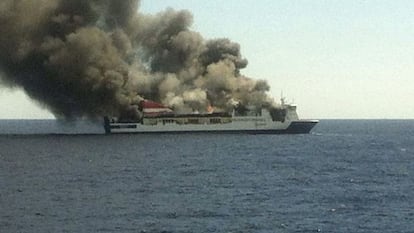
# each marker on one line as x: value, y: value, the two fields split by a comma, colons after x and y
x: 102, y: 57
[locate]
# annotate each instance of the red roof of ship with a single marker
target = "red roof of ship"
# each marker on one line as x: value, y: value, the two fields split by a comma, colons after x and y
x: 151, y: 104
x: 152, y: 109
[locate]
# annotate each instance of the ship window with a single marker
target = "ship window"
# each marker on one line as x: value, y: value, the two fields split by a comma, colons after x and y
x: 124, y: 126
x: 193, y: 121
x: 129, y: 126
x: 215, y: 121
x: 168, y: 122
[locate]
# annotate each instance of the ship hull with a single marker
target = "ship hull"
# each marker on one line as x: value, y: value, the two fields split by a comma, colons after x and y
x: 294, y: 127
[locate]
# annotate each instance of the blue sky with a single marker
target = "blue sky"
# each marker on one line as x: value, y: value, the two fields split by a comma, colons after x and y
x: 333, y: 58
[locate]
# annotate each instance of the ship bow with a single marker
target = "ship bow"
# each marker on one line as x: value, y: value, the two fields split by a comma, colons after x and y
x: 301, y: 127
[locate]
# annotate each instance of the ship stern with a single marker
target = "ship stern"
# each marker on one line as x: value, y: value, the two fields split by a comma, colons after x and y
x: 107, y: 125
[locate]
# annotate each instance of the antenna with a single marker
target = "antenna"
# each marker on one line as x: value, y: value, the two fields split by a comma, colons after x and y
x: 282, y: 99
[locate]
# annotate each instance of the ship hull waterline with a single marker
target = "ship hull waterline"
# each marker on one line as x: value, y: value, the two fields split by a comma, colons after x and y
x: 295, y: 127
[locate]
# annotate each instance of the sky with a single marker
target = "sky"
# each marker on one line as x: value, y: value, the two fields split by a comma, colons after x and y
x: 335, y: 59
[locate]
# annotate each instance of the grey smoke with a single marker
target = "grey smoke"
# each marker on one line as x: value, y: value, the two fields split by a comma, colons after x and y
x: 102, y: 57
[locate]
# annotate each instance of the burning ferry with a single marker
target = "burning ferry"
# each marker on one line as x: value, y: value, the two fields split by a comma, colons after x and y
x: 158, y: 118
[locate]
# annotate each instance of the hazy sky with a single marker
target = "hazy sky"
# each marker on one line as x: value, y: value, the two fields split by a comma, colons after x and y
x: 333, y: 58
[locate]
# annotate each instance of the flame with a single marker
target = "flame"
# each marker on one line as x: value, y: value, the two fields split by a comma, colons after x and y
x: 210, y: 109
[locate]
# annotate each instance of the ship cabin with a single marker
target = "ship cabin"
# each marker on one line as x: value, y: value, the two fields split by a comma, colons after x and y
x: 185, y: 119
x: 158, y: 114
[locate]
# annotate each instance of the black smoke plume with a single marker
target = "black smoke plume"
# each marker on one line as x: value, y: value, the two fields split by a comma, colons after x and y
x: 102, y: 57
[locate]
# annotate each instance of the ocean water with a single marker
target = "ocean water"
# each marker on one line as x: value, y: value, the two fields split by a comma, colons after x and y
x: 346, y: 176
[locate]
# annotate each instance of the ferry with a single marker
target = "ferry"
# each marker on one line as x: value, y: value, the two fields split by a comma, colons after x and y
x: 158, y: 118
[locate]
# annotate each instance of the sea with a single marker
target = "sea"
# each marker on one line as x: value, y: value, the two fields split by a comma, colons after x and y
x: 345, y: 176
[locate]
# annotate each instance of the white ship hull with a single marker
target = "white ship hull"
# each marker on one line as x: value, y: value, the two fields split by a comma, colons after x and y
x: 236, y: 126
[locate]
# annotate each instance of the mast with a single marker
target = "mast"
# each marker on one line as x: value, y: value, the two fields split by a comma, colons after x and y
x: 282, y: 99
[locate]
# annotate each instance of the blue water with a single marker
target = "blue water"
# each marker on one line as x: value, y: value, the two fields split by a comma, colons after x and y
x: 347, y: 176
